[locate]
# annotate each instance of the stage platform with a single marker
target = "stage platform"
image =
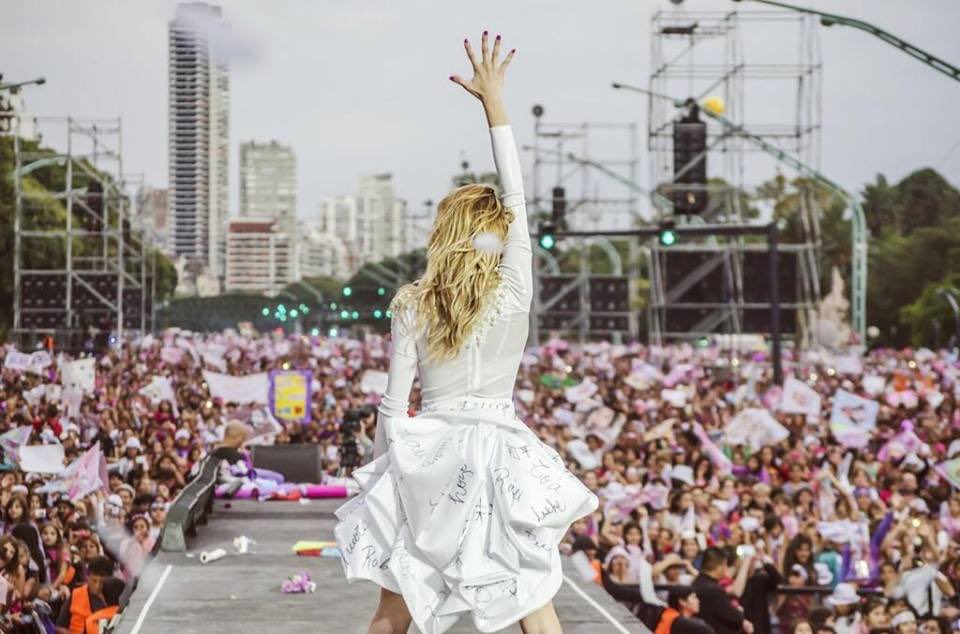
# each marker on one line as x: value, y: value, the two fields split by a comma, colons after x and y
x: 241, y: 594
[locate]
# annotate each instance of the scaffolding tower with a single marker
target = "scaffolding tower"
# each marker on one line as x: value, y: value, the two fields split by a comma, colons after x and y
x: 766, y: 67
x: 81, y: 268
x: 574, y: 295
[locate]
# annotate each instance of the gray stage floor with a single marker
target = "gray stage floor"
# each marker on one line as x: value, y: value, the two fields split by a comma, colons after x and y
x: 241, y: 593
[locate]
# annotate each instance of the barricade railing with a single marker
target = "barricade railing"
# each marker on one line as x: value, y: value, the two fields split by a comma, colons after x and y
x: 190, y: 508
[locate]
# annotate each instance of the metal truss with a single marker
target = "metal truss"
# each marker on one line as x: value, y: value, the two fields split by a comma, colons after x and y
x: 106, y: 276
x: 696, y: 55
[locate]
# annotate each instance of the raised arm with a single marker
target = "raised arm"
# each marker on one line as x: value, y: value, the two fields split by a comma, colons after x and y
x: 516, y: 263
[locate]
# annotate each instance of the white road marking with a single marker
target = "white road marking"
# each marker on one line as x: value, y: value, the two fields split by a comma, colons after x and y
x: 597, y: 606
x: 150, y: 599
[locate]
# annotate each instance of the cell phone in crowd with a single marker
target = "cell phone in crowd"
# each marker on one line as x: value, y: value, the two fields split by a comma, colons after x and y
x: 746, y: 550
x: 40, y: 514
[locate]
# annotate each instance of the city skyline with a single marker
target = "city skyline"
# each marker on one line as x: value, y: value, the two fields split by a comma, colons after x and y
x: 352, y: 89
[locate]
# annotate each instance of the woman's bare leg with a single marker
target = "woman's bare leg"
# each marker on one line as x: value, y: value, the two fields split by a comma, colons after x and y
x: 392, y: 615
x: 543, y: 621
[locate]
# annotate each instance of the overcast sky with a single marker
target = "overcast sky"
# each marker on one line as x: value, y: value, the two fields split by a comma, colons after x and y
x: 361, y: 87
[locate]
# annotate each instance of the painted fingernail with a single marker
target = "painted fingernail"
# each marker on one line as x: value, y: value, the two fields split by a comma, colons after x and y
x: 484, y: 33
x: 498, y: 36
x: 451, y: 77
x: 465, y: 40
x: 513, y: 50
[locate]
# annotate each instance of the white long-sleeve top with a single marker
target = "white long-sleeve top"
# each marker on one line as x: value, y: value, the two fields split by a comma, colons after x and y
x: 488, y: 363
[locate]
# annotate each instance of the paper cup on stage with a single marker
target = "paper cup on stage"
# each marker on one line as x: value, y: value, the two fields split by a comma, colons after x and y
x: 207, y: 556
x: 242, y: 544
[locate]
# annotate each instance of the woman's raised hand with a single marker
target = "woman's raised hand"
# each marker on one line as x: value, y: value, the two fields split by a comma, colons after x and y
x: 488, y: 74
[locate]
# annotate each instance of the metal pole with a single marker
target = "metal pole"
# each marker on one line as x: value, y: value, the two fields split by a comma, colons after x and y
x: 773, y: 238
x: 829, y: 19
x: 70, y: 194
x: 17, y: 216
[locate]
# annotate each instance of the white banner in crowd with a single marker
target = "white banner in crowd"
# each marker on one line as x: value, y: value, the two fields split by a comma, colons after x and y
x: 41, y: 458
x: 252, y: 388
x: 80, y: 374
x: 374, y: 381
x: 852, y: 412
x: 799, y: 398
x: 581, y: 392
x: 849, y: 364
x: 755, y: 427
x: 35, y: 362
x: 160, y: 389
x: 874, y: 385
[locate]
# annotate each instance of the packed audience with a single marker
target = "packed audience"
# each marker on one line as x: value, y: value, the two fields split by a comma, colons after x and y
x: 728, y: 503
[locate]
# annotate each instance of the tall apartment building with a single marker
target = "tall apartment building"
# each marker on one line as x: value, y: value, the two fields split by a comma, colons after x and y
x: 268, y: 182
x: 259, y: 256
x: 199, y: 106
x: 384, y: 215
x: 371, y: 223
x: 153, y: 215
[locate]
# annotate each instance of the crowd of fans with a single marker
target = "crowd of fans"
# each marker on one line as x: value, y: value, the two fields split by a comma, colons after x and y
x: 806, y: 534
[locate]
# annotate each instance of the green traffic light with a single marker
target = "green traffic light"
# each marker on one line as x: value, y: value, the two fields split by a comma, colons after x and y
x: 293, y: 313
x: 333, y: 305
x: 282, y: 308
x: 347, y: 291
x: 355, y: 315
x: 548, y: 241
x: 344, y: 314
x: 378, y: 313
x: 381, y: 291
x: 668, y: 237
x: 265, y: 311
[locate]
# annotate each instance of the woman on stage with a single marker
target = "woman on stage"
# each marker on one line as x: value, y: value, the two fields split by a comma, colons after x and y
x: 463, y: 506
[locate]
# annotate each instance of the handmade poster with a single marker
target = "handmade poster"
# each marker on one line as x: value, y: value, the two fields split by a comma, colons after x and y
x: 853, y: 418
x: 755, y: 427
x: 171, y: 355
x: 799, y: 398
x: 374, y: 382
x: 874, y: 385
x: 581, y: 392
x: 80, y: 374
x: 676, y: 398
x: 12, y: 440
x: 160, y: 389
x: 41, y: 458
x: 950, y: 471
x: 250, y: 388
x: 849, y: 364
x: 290, y: 395
x: 16, y: 360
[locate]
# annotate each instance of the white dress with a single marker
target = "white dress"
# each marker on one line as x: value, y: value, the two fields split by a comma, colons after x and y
x: 463, y: 506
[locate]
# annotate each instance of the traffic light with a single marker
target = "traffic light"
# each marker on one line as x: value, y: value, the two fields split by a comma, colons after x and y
x: 381, y: 291
x: 548, y: 235
x: 689, y: 195
x: 347, y: 291
x: 559, y: 206
x: 668, y: 234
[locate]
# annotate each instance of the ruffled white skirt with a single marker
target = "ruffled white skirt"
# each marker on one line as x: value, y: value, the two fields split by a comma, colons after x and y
x: 462, y: 512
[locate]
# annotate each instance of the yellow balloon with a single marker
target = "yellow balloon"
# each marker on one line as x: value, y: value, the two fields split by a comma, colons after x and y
x: 714, y: 105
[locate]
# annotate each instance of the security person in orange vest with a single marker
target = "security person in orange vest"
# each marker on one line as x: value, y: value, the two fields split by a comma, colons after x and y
x: 86, y: 599
x: 112, y: 589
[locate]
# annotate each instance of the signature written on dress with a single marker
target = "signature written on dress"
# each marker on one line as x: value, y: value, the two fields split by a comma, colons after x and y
x: 506, y: 484
x: 548, y: 508
x: 459, y: 492
x: 543, y: 474
x: 438, y: 453
x: 358, y: 532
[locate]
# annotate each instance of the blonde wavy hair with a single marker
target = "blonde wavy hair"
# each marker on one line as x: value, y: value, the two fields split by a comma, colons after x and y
x: 458, y: 285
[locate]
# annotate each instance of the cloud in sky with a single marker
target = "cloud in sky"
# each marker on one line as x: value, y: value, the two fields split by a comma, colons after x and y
x: 361, y: 87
